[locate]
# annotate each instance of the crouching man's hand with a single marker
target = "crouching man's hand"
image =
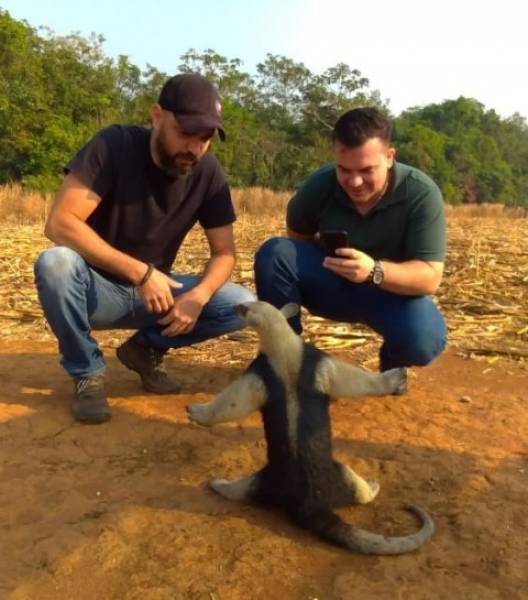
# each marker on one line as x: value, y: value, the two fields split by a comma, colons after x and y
x: 351, y: 264
x: 156, y: 292
x: 184, y: 313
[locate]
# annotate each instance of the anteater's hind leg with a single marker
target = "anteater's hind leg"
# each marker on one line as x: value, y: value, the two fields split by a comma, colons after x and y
x: 353, y: 489
x: 239, y: 489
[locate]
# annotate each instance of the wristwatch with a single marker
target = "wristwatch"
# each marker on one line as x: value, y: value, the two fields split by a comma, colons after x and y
x: 377, y: 274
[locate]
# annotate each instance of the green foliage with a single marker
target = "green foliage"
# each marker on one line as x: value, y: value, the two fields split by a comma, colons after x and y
x: 55, y: 92
x: 473, y: 154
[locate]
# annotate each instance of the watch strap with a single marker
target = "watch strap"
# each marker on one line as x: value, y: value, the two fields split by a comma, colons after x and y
x: 376, y: 269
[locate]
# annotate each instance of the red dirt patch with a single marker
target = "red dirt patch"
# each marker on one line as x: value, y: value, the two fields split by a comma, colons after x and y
x: 120, y: 510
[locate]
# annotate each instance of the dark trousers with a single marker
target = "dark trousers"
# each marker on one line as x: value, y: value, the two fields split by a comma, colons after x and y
x: 413, y: 330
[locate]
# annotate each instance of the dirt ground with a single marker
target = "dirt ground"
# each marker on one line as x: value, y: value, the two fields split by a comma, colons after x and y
x: 121, y: 510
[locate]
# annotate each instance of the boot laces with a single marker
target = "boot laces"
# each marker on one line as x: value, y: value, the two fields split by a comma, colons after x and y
x: 84, y: 384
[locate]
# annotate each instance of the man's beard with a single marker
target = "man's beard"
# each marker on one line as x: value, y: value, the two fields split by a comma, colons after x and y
x: 175, y: 165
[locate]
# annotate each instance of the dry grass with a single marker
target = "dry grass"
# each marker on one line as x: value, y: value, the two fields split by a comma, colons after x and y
x: 484, y: 294
x: 487, y: 209
x: 20, y: 207
x: 260, y: 201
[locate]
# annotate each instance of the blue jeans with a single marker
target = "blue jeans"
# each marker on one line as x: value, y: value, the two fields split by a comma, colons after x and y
x: 413, y: 330
x: 76, y: 299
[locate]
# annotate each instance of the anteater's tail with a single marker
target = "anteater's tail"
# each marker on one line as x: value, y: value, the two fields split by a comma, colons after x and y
x: 330, y: 526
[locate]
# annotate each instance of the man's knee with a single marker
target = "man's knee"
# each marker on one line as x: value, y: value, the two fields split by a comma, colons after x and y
x: 57, y: 265
x: 221, y: 306
x: 272, y: 250
x: 234, y: 294
x: 424, y: 347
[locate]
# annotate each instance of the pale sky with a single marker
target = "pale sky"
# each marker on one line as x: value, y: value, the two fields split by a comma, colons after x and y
x: 414, y: 52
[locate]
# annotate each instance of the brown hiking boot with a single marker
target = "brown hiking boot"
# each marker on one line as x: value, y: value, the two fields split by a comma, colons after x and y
x: 89, y: 402
x: 148, y: 363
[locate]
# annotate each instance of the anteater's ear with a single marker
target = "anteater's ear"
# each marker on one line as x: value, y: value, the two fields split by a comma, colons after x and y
x: 290, y: 310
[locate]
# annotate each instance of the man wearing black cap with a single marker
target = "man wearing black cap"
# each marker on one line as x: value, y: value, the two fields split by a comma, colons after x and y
x: 128, y: 199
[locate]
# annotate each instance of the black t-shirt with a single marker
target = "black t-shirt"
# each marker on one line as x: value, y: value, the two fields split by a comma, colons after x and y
x: 144, y: 212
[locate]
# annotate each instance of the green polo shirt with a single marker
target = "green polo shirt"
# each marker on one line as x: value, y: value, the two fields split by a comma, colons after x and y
x: 407, y: 223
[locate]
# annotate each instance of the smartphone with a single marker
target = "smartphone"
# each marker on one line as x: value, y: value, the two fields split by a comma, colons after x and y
x: 333, y: 239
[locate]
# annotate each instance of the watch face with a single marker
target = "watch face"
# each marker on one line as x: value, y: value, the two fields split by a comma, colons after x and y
x: 378, y: 276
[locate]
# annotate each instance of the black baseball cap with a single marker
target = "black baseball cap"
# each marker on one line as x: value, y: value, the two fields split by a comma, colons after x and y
x: 194, y: 101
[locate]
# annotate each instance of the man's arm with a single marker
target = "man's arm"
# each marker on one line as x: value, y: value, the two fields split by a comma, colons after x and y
x: 222, y: 262
x: 424, y: 245
x: 305, y: 206
x: 66, y: 226
x: 187, y: 307
x: 409, y: 278
x: 412, y: 277
x: 300, y: 236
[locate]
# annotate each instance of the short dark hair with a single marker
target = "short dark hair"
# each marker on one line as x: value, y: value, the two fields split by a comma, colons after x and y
x: 358, y: 125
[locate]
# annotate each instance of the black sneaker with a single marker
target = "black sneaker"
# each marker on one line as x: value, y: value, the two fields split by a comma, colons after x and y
x: 148, y: 363
x: 89, y: 402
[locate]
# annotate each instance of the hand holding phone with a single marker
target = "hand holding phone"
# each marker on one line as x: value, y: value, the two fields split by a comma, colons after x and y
x: 332, y: 240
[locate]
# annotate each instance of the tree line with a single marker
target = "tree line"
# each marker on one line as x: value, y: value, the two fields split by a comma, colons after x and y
x: 57, y: 91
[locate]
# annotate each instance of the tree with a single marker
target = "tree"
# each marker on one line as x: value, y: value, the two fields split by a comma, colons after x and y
x: 232, y: 83
x: 56, y: 91
x: 473, y: 154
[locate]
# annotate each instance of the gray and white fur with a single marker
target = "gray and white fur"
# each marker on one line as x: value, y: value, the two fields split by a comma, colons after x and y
x: 291, y: 383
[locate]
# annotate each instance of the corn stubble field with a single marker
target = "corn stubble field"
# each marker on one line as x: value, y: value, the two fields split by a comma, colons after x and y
x: 483, y: 295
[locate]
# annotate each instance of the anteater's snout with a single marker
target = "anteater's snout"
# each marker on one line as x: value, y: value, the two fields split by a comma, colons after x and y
x: 241, y: 310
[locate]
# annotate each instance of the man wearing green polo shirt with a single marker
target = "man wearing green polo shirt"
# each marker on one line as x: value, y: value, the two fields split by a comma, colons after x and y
x: 393, y: 216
